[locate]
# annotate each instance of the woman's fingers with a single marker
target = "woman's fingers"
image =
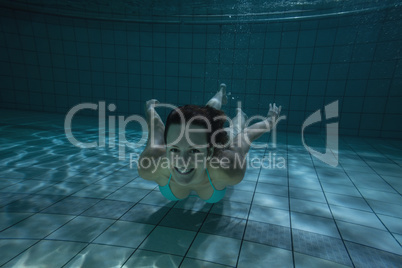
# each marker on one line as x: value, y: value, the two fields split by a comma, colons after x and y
x: 274, y: 110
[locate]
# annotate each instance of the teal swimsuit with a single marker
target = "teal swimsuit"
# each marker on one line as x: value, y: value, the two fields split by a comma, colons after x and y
x: 216, y: 196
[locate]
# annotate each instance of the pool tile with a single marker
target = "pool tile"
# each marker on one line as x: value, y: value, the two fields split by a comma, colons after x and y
x: 388, y: 209
x: 7, y: 198
x: 5, y: 182
x: 184, y: 219
x: 45, y: 252
x: 314, y: 224
x: 27, y: 186
x: 310, y: 208
x: 168, y: 240
x: 274, y: 176
x: 128, y: 194
x: 336, y: 188
x: 336, y: 176
x: 386, y: 168
x: 306, y: 194
x: 140, y: 183
x: 69, y: 176
x: 100, y: 256
x: 231, y: 209
x: 144, y: 258
x: 191, y: 263
x: 273, y: 201
x: 71, y: 205
x: 108, y: 209
x: 393, y: 224
x: 269, y: 215
x: 398, y: 238
x: 272, y: 189
x: 145, y: 214
x: 194, y: 204
x: 250, y: 176
x: 157, y: 199
x: 369, y: 257
x: 238, y: 196
x: 214, y: 248
x: 224, y: 226
x: 257, y: 255
x: 302, y: 183
x: 364, y: 218
x: 378, y: 185
x: 244, y: 185
x: 63, y: 188
x: 320, y: 246
x: 369, y: 237
x: 362, y: 194
x: 125, y: 234
x: 306, y: 261
x: 8, y: 218
x: 115, y: 179
x: 96, y: 191
x: 36, y: 227
x: 81, y: 229
x: 268, y: 234
x: 389, y: 197
x: 348, y: 201
x: 10, y: 248
x: 32, y: 203
x: 394, y: 181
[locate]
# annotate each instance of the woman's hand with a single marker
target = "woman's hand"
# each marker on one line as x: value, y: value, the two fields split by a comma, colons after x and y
x: 274, y: 111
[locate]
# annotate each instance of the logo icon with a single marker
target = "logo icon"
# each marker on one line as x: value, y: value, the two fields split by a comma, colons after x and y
x: 330, y: 156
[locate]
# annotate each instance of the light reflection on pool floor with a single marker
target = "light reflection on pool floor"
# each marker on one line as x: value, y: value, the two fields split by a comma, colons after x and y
x: 62, y: 206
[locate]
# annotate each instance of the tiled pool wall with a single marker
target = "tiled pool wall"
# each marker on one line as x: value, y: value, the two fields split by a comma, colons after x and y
x: 51, y: 63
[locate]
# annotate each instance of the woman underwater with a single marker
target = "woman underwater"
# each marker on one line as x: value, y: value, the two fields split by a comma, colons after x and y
x: 194, y: 153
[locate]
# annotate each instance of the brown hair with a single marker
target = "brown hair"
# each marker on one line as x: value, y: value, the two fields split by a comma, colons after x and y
x: 207, y: 112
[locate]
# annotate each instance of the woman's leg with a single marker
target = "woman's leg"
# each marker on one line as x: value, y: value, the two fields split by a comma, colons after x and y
x: 219, y: 98
x: 156, y: 127
x: 238, y: 123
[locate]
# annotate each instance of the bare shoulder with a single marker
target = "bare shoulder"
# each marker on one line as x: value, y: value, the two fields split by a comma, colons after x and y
x: 151, y: 165
x: 227, y: 167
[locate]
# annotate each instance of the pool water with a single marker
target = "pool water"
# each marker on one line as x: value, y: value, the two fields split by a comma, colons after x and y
x: 322, y: 191
x: 63, y: 206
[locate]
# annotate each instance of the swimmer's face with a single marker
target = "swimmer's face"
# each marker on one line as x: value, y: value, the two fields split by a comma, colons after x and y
x: 187, y: 154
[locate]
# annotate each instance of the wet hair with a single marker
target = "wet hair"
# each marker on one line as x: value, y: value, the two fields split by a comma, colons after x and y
x: 207, y: 112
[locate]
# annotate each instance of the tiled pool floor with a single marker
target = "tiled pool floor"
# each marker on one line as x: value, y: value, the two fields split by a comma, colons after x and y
x: 62, y: 206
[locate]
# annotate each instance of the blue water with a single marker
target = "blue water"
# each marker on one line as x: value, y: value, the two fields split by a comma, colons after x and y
x: 62, y: 205
x: 66, y: 206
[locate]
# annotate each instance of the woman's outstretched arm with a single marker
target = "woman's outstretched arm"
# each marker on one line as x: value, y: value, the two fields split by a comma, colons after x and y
x: 155, y: 147
x: 244, y: 139
x: 241, y: 144
x: 156, y: 127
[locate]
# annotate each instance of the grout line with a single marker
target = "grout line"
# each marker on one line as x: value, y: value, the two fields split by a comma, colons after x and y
x: 146, y: 236
x: 196, y: 235
x: 365, y: 199
x: 73, y: 216
x: 289, y: 207
x: 367, y: 79
x: 249, y: 210
x: 330, y: 211
x: 114, y: 220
